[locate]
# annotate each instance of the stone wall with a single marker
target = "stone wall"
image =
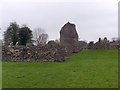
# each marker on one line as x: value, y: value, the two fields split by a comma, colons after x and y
x: 50, y: 52
x: 106, y: 44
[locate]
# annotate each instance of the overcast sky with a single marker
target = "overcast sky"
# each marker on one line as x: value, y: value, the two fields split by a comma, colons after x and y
x: 92, y: 19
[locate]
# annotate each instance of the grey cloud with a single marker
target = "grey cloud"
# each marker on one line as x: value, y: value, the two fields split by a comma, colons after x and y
x: 92, y: 20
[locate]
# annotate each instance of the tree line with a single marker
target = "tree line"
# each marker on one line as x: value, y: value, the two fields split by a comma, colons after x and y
x: 16, y: 35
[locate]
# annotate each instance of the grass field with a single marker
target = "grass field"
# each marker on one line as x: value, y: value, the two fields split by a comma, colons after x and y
x: 0, y: 75
x: 87, y: 69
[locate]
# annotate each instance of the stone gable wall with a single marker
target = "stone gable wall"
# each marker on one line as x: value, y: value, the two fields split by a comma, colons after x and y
x: 69, y: 38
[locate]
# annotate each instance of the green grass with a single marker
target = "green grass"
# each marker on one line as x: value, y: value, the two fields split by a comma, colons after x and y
x: 87, y: 69
x: 0, y: 75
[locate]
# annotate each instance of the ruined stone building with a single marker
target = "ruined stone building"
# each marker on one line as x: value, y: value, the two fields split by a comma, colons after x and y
x: 69, y: 37
x: 50, y: 52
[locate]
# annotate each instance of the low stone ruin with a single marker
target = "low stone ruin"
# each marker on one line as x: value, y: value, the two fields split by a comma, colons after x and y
x: 106, y: 44
x: 51, y: 52
x: 115, y: 45
x: 102, y: 45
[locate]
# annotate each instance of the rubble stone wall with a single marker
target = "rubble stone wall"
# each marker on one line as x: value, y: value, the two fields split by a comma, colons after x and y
x: 50, y: 52
x: 106, y: 45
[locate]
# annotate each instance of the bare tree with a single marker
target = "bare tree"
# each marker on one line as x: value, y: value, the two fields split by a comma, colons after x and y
x: 40, y: 36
